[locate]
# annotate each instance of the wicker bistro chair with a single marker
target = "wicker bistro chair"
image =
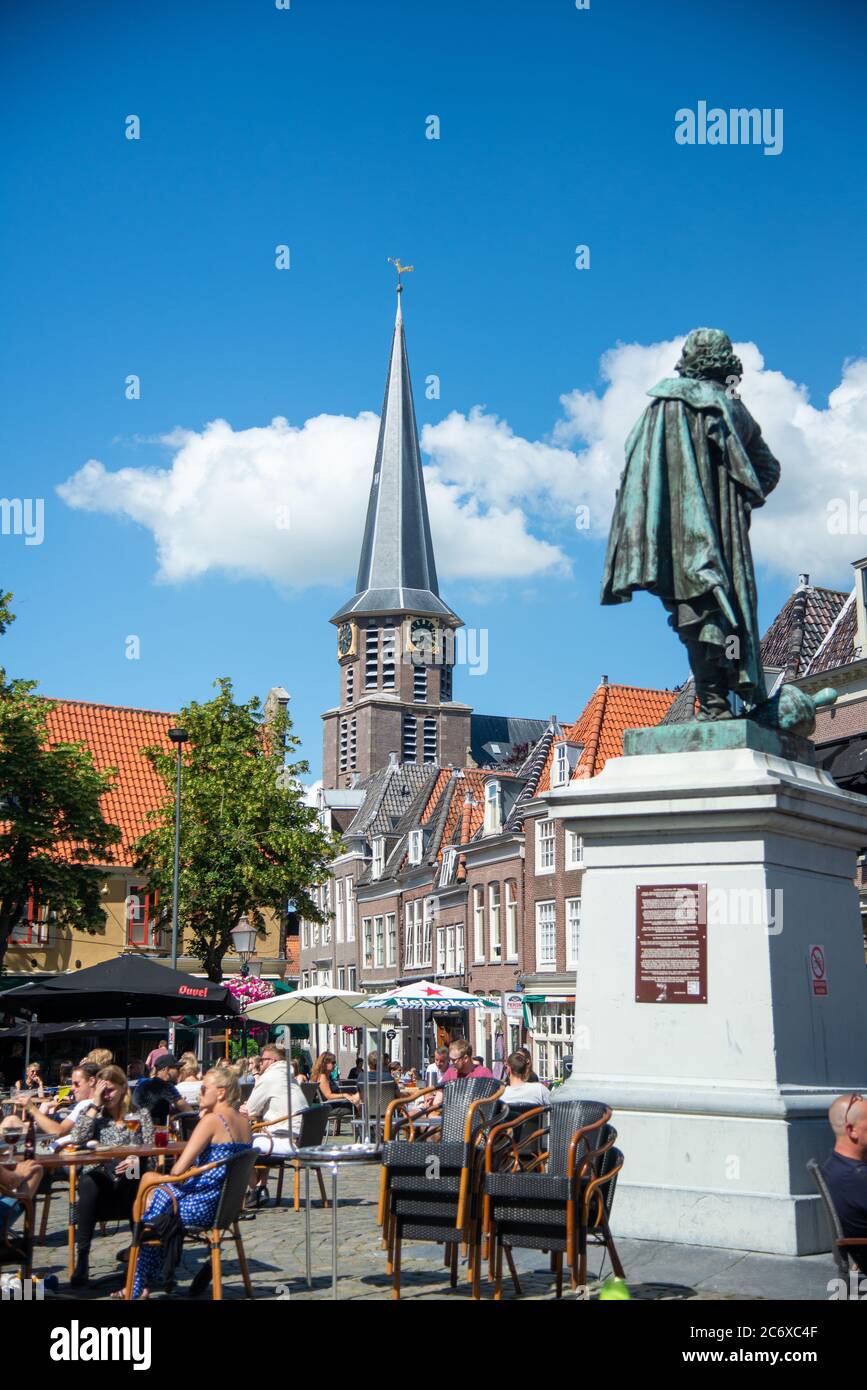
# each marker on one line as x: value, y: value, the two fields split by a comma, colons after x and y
x: 841, y: 1245
x: 557, y: 1209
x: 314, y: 1123
x: 430, y: 1186
x: 231, y: 1201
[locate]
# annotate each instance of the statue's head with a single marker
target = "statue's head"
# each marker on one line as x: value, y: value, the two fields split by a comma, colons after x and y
x: 708, y: 356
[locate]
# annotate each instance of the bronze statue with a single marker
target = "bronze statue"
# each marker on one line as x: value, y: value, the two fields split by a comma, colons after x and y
x: 696, y: 467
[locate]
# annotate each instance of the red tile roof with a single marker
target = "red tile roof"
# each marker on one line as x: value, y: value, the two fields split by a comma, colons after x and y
x: 610, y: 710
x: 838, y: 647
x: 115, y: 736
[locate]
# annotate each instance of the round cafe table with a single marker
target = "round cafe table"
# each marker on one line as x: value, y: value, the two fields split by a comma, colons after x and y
x: 332, y: 1157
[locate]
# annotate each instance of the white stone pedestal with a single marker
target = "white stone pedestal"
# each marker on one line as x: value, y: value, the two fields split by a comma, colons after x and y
x: 718, y: 1105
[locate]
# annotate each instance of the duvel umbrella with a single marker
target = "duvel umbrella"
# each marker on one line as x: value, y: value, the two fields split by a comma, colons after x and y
x: 126, y: 987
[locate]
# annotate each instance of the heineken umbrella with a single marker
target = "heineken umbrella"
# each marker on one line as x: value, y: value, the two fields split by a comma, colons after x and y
x: 422, y: 994
x: 126, y: 987
x: 318, y: 1004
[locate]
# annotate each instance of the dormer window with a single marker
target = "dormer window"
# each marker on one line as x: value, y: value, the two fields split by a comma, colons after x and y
x: 493, y: 808
x: 416, y: 846
x: 449, y: 858
x: 378, y: 866
x: 566, y: 757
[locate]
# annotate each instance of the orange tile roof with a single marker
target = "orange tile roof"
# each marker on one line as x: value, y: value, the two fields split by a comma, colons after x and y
x: 610, y: 710
x: 443, y: 778
x: 115, y: 736
x: 473, y: 784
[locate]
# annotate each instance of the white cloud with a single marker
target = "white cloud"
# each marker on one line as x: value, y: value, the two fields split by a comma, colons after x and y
x: 288, y: 504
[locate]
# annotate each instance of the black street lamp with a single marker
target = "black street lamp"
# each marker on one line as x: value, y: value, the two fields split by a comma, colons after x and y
x: 178, y: 738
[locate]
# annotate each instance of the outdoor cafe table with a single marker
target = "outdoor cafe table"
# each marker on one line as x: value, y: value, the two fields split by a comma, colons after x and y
x: 83, y: 1158
x: 330, y: 1156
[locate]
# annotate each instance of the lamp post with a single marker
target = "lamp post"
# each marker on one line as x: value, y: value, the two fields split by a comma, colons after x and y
x: 178, y: 738
x: 244, y: 943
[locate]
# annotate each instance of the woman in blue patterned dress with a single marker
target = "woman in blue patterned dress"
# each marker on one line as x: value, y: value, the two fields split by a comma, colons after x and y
x: 220, y: 1134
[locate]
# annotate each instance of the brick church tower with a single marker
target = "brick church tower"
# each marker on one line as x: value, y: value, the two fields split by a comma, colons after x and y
x: 395, y: 637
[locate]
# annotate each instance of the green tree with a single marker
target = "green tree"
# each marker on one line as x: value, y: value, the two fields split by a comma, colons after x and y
x: 54, y: 839
x: 248, y: 841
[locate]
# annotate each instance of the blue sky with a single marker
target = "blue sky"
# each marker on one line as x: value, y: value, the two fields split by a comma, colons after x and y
x: 307, y: 127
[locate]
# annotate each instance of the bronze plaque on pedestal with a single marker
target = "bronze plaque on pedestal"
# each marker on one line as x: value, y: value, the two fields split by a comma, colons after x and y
x: 671, y: 943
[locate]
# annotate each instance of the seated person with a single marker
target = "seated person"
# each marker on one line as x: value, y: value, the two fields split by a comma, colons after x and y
x: 531, y: 1075
x: 83, y: 1085
x: 222, y: 1132
x: 321, y: 1077
x: 32, y: 1079
x: 354, y: 1071
x: 462, y: 1063
x: 437, y: 1068
x: 845, y: 1170
x: 267, y: 1102
x: 17, y: 1181
x: 106, y: 1191
x: 520, y: 1090
x: 160, y: 1096
x: 189, y: 1084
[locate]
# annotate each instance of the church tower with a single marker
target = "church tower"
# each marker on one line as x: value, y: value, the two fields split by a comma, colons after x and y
x: 395, y: 637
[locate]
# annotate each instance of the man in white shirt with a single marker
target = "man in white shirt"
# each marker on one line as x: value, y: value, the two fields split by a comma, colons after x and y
x: 267, y: 1102
x: 438, y: 1067
x: 83, y: 1084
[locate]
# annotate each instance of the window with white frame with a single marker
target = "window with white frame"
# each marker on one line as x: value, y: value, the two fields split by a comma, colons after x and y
x: 441, y: 949
x: 479, y: 923
x: 511, y: 919
x: 378, y: 942
x: 367, y: 942
x: 427, y: 936
x: 553, y: 1030
x: 416, y: 846
x: 305, y: 934
x: 326, y: 932
x: 351, y: 976
x: 494, y: 920
x: 391, y: 939
x: 574, y: 850
x: 493, y: 808
x: 545, y: 846
x: 413, y: 935
x: 459, y: 950
x: 341, y: 977
x: 305, y: 979
x: 338, y: 909
x: 573, y: 932
x: 350, y: 910
x: 546, y: 936
x: 378, y: 866
x: 449, y: 858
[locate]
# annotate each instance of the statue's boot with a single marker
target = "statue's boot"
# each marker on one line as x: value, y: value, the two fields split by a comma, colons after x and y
x: 710, y: 683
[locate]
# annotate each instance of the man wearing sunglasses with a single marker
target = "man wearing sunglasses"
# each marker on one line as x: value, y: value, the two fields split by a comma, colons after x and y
x: 845, y: 1169
x: 83, y: 1083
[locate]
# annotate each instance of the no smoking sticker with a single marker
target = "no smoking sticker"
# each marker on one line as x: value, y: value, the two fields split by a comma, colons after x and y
x: 818, y: 977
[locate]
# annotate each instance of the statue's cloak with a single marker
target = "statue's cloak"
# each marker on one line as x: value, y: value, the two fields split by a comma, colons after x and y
x: 696, y: 466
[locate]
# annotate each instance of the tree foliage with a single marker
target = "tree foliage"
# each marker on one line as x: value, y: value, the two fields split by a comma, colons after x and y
x: 53, y: 835
x: 248, y: 841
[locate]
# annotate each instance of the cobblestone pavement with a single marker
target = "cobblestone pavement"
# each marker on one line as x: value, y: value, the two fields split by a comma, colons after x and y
x: 275, y: 1246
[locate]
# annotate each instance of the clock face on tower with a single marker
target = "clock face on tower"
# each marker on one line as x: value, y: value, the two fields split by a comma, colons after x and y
x: 344, y: 639
x: 422, y: 633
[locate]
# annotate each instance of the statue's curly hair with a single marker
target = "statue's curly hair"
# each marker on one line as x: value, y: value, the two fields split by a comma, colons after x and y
x: 708, y: 356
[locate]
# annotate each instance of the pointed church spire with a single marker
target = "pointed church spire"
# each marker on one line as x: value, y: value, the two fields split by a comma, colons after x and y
x: 397, y: 571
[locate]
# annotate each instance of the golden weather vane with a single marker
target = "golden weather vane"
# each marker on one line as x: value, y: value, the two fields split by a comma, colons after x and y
x: 401, y: 269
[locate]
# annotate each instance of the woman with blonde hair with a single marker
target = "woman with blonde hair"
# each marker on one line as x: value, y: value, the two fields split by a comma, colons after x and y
x: 100, y: 1055
x: 105, y: 1190
x: 222, y: 1132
